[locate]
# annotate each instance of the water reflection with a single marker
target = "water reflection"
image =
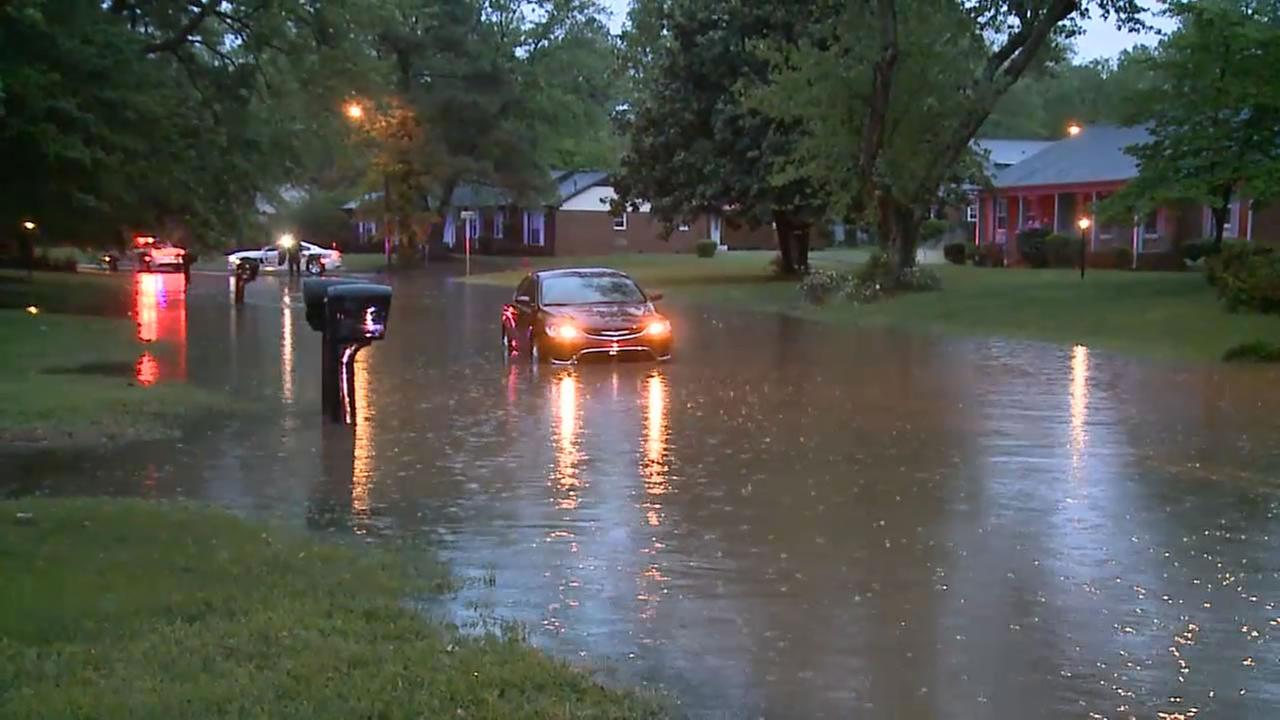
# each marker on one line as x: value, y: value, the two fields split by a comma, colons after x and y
x: 363, y: 466
x: 565, y: 477
x: 1079, y: 405
x: 286, y: 348
x: 654, y: 466
x: 160, y: 313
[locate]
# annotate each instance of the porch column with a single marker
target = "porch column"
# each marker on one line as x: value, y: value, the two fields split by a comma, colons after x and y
x: 1022, y: 211
x: 1093, y: 226
x: 1057, y: 198
x: 977, y: 220
x: 1248, y: 228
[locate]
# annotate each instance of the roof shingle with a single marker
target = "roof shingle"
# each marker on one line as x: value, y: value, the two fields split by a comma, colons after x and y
x: 1097, y: 154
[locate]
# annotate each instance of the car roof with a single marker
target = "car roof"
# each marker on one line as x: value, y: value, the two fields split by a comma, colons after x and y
x: 564, y: 272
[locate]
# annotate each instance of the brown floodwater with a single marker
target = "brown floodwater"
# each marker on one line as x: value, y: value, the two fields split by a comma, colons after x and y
x: 789, y: 520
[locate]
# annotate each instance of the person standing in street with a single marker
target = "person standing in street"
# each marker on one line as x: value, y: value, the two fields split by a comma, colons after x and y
x: 294, y: 251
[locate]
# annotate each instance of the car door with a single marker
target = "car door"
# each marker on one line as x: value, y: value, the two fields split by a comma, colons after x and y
x: 269, y: 256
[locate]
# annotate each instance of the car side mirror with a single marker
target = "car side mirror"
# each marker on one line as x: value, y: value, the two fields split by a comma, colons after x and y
x: 655, y: 297
x: 524, y: 300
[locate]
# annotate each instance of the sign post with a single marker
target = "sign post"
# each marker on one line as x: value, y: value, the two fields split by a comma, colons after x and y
x: 467, y: 217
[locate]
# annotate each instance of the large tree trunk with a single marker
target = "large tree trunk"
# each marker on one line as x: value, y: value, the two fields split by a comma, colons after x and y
x: 793, y: 242
x: 898, y: 225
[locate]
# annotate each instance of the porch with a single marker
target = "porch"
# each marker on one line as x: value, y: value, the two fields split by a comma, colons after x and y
x: 1006, y: 212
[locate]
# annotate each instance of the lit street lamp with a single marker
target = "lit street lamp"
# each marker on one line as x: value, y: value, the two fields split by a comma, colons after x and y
x: 354, y: 110
x: 28, y: 226
x: 355, y: 113
x: 1074, y: 129
x: 1084, y: 224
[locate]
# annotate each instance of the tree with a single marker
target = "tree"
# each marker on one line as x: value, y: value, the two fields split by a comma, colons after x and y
x: 1214, y: 114
x: 888, y: 96
x: 694, y: 145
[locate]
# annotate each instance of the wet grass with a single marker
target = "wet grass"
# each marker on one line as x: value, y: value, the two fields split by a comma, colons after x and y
x: 54, y: 390
x: 129, y: 609
x: 1166, y: 315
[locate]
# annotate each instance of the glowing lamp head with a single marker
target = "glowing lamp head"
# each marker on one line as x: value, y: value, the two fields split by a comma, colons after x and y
x: 1084, y: 223
x: 563, y: 331
x: 658, y: 327
x: 1074, y: 129
x: 354, y: 110
x: 28, y: 225
x: 287, y: 240
x: 33, y: 310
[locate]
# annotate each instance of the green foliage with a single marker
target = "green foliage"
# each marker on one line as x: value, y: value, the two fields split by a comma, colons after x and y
x: 821, y: 286
x: 1032, y: 246
x: 706, y: 248
x: 933, y: 229
x: 956, y: 253
x: 182, y: 611
x: 1062, y: 251
x: 1042, y: 104
x: 1259, y: 351
x: 1247, y: 277
x: 989, y: 255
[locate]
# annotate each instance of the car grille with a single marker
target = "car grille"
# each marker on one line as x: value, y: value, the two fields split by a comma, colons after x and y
x: 617, y: 334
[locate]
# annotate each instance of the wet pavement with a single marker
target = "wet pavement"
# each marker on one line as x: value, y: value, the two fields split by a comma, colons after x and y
x: 788, y: 521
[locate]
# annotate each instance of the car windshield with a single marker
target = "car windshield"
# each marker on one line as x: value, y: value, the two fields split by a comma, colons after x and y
x: 590, y: 290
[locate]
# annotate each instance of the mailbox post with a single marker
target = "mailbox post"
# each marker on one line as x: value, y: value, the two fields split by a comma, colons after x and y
x: 350, y: 315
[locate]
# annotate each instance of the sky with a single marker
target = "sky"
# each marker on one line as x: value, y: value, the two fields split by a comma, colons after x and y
x: 1101, y: 39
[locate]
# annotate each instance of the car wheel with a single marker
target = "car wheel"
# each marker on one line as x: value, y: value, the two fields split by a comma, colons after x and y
x: 314, y: 266
x: 536, y: 356
x: 506, y: 346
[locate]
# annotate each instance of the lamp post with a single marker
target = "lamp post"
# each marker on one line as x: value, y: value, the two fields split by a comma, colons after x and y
x: 1084, y: 224
x: 28, y: 243
x: 355, y: 113
x: 1074, y: 128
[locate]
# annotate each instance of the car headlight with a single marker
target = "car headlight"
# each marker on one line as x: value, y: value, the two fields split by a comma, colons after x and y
x: 658, y: 327
x: 563, y: 331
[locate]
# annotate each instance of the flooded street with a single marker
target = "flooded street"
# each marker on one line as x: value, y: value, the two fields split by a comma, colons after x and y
x: 789, y: 520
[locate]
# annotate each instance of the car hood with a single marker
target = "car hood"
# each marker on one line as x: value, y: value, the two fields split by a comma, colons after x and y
x: 603, y: 317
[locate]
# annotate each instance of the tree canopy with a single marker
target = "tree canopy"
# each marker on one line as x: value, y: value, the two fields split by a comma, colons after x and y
x: 1213, y: 112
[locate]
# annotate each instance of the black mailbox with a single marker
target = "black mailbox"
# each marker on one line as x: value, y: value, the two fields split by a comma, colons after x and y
x: 357, y: 313
x: 350, y: 314
x: 314, y: 293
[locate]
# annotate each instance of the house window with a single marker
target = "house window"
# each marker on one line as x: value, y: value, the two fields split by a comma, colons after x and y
x: 1151, y: 225
x: 533, y: 229
x: 498, y: 225
x: 683, y: 227
x: 971, y: 213
x: 367, y: 230
x: 1228, y: 227
x: 1002, y: 213
x: 473, y: 226
x: 620, y: 222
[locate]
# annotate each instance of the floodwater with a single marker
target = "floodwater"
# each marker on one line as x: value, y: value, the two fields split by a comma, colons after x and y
x: 787, y: 521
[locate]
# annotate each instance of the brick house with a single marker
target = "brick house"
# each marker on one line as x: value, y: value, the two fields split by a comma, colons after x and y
x: 1056, y: 186
x: 575, y: 219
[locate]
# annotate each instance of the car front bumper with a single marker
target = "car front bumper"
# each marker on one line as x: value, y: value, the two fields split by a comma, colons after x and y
x: 633, y: 346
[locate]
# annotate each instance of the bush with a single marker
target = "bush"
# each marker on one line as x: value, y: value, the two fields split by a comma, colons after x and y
x: 1253, y: 283
x: 1112, y: 258
x: 42, y: 261
x: 1229, y: 259
x: 989, y: 255
x: 1195, y: 250
x: 1031, y: 247
x: 933, y: 229
x: 821, y: 286
x: 919, y: 279
x: 1062, y: 251
x: 706, y: 248
x: 956, y: 252
x: 1256, y: 351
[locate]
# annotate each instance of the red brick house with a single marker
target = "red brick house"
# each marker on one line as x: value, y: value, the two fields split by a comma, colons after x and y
x: 578, y: 220
x: 1063, y: 182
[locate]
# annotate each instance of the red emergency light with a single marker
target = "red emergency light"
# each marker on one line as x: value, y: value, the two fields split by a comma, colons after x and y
x: 141, y: 240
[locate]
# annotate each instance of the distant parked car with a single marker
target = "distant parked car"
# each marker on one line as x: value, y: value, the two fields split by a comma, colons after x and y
x: 315, y: 259
x: 151, y: 254
x: 562, y: 316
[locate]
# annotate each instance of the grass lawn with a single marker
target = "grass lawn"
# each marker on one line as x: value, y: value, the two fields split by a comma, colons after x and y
x: 1169, y: 315
x: 363, y: 262
x: 130, y: 609
x: 67, y: 378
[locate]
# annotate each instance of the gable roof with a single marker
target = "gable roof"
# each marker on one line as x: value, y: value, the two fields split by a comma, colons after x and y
x: 1097, y: 154
x: 1003, y: 153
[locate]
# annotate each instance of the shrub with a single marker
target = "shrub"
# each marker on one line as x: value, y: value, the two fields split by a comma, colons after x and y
x: 821, y: 286
x: 1112, y: 258
x: 1195, y: 250
x: 1256, y: 351
x: 919, y: 279
x: 1031, y: 246
x: 706, y: 248
x: 1229, y: 259
x: 933, y: 229
x: 1253, y: 284
x: 956, y: 252
x: 42, y: 261
x: 989, y: 255
x: 1062, y: 251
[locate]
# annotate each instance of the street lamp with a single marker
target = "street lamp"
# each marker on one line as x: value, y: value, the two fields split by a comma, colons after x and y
x: 1084, y: 224
x: 28, y: 226
x: 354, y: 110
x: 1074, y: 129
x: 355, y: 113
